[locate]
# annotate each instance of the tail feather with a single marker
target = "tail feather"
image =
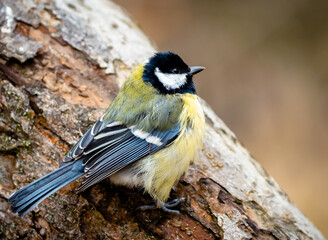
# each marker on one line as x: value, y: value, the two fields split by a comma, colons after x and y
x: 36, y: 185
x: 28, y: 197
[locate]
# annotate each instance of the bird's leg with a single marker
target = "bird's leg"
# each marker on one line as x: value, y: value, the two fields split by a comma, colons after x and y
x: 164, y: 206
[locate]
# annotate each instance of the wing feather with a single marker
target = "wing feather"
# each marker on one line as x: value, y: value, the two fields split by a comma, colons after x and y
x: 84, y: 141
x: 128, y: 149
x: 108, y: 147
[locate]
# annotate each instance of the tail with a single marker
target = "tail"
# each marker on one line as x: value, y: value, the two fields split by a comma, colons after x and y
x: 31, y: 195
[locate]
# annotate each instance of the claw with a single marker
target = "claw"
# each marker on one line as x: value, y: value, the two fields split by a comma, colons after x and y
x: 164, y: 206
x: 147, y: 207
x: 174, y: 202
x: 165, y: 209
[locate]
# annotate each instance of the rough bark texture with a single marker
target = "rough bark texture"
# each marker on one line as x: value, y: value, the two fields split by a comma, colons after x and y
x: 61, y: 64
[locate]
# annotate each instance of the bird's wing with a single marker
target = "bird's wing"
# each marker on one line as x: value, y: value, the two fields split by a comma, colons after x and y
x: 109, y: 145
x: 117, y: 146
x: 79, y: 147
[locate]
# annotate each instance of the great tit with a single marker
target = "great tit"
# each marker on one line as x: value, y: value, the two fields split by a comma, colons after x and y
x: 146, y: 139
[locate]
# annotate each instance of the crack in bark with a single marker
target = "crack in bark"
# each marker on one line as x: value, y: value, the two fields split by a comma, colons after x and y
x: 26, y: 234
x: 207, y: 207
x: 39, y: 112
x: 141, y: 225
x: 13, y: 76
x: 205, y: 227
x: 34, y: 221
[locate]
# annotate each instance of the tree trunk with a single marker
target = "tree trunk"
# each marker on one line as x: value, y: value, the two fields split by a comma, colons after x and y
x: 62, y: 63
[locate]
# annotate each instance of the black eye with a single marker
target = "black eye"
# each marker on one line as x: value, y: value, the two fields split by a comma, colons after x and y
x: 175, y: 70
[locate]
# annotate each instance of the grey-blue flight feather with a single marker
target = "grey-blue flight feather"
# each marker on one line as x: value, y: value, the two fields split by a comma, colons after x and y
x: 103, y: 150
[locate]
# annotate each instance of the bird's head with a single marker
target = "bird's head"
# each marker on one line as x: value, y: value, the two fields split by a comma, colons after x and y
x: 169, y: 74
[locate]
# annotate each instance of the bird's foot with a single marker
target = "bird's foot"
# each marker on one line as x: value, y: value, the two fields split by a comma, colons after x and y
x: 164, y: 206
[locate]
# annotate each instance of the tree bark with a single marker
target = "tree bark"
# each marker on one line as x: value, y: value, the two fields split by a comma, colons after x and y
x: 62, y: 63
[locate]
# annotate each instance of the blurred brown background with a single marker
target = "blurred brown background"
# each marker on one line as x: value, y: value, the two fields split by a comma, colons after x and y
x: 266, y: 77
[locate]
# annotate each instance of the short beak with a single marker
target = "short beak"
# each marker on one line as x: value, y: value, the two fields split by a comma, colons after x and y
x: 195, y: 70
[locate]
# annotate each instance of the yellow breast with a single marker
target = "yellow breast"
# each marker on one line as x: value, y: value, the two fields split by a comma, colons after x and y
x: 169, y: 164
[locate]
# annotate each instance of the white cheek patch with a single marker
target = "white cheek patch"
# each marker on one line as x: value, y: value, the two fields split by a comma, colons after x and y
x: 171, y: 80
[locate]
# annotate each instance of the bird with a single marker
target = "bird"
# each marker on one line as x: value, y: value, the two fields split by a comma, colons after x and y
x: 147, y: 138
